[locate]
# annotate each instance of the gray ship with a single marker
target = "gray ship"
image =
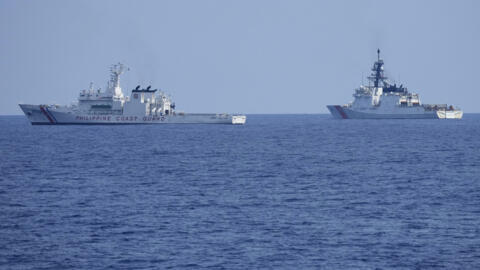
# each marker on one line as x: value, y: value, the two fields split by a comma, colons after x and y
x: 384, y: 100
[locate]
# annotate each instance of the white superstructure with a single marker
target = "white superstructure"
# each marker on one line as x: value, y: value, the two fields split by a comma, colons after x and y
x: 389, y: 101
x: 143, y: 106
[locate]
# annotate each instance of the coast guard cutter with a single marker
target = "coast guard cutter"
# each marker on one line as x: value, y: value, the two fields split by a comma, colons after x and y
x: 389, y: 101
x: 143, y: 106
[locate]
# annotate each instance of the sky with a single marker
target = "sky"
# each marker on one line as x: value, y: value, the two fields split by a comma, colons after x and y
x: 242, y: 56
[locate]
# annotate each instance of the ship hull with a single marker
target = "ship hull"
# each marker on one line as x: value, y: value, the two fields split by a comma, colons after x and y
x: 341, y: 112
x: 46, y: 115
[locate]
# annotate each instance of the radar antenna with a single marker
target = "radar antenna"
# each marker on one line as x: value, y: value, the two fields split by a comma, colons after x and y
x: 377, y: 75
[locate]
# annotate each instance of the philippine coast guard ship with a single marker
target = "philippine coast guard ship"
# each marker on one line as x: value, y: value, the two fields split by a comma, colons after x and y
x: 143, y: 106
x: 389, y: 101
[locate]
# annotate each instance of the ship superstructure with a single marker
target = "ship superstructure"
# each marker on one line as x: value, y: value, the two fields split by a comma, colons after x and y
x: 382, y: 99
x: 143, y: 106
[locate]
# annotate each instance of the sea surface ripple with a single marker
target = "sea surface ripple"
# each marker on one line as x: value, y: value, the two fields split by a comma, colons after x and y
x: 281, y: 192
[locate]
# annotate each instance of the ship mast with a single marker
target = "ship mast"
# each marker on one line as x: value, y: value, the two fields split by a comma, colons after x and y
x: 377, y: 75
x: 114, y: 84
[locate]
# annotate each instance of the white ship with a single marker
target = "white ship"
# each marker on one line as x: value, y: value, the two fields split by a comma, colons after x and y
x: 143, y: 106
x: 384, y: 100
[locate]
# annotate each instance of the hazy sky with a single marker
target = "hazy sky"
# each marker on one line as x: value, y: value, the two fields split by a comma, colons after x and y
x: 259, y: 56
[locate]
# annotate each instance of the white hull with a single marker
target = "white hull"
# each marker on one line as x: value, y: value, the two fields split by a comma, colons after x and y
x: 342, y: 112
x: 453, y: 114
x: 49, y: 115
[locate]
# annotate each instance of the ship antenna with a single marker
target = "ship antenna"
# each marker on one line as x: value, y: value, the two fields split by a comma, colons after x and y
x: 378, y: 54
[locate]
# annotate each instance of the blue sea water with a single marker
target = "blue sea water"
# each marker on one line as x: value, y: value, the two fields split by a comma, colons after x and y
x: 281, y: 192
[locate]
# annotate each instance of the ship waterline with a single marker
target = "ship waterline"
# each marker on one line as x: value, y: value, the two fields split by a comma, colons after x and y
x: 343, y: 112
x: 48, y: 115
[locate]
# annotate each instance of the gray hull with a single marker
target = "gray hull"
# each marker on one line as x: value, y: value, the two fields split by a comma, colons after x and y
x: 341, y: 112
x: 45, y: 115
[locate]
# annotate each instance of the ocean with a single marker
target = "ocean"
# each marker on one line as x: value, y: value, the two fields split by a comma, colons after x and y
x: 281, y: 192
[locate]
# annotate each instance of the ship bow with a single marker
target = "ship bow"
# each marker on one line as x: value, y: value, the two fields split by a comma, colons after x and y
x: 337, y: 111
x: 37, y: 114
